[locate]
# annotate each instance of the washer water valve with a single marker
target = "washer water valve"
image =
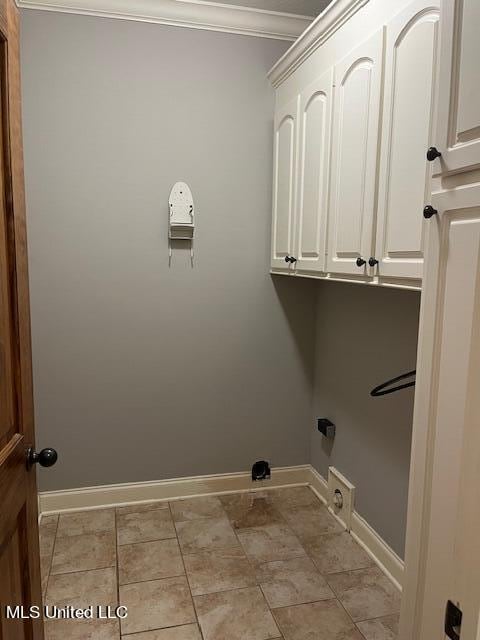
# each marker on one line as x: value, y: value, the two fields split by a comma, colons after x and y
x: 338, y: 499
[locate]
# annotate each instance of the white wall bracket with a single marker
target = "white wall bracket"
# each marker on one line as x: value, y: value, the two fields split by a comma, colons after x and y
x: 181, y: 216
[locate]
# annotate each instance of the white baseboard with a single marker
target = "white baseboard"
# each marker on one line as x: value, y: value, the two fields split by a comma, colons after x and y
x: 384, y: 556
x: 122, y: 494
x: 319, y: 485
x: 367, y: 538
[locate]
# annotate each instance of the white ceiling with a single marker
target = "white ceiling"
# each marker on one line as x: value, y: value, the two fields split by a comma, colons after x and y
x: 299, y: 7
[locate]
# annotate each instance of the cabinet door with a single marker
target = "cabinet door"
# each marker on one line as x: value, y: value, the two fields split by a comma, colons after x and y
x: 313, y: 174
x: 458, y: 131
x: 354, y: 157
x: 443, y: 535
x: 404, y: 184
x: 284, y: 178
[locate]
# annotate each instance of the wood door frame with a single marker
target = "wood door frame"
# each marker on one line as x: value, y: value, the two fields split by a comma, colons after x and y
x: 16, y: 218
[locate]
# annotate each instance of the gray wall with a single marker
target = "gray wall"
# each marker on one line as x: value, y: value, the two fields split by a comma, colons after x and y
x: 364, y: 337
x: 144, y: 372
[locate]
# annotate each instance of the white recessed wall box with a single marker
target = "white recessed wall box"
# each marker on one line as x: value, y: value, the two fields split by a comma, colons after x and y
x: 181, y: 221
x: 341, y: 497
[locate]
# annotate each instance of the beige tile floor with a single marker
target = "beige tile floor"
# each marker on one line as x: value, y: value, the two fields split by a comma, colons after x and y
x: 249, y: 566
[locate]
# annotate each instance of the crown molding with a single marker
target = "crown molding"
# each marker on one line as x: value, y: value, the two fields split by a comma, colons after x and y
x: 192, y: 14
x: 320, y: 30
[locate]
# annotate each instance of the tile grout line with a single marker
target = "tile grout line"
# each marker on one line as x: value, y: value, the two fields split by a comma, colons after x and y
x: 117, y: 571
x: 185, y: 570
x: 255, y: 573
x: 131, y: 544
x: 51, y: 559
x: 324, y: 576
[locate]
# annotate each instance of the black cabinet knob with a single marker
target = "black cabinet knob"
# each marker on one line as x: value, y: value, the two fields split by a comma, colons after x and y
x: 292, y: 259
x: 46, y: 457
x: 429, y: 211
x: 287, y: 259
x: 372, y: 261
x: 360, y: 262
x: 433, y: 153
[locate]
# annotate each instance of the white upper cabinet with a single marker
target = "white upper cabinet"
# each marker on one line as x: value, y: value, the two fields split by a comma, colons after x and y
x: 284, y: 178
x: 458, y: 132
x: 313, y: 173
x: 404, y: 179
x: 351, y: 170
x: 354, y: 158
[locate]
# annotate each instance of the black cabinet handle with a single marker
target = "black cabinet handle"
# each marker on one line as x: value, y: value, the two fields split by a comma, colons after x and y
x: 46, y: 457
x: 372, y: 261
x: 360, y: 262
x: 433, y: 153
x: 429, y: 211
x: 290, y: 259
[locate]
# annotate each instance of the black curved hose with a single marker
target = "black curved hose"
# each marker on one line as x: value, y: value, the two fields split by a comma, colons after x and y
x: 383, y: 389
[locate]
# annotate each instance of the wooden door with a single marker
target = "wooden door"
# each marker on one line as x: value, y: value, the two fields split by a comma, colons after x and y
x: 313, y: 173
x: 404, y: 185
x: 284, y: 185
x: 19, y: 553
x: 458, y: 137
x: 358, y: 79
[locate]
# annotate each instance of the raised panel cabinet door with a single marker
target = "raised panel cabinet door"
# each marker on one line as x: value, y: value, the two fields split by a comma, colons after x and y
x: 448, y: 403
x: 313, y: 173
x: 358, y: 79
x: 458, y: 129
x: 409, y: 96
x: 284, y: 184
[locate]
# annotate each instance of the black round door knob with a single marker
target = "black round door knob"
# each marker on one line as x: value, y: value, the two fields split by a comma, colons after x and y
x: 360, y: 262
x: 429, y: 212
x: 287, y: 259
x: 45, y: 458
x: 372, y: 261
x: 433, y: 153
x: 292, y: 260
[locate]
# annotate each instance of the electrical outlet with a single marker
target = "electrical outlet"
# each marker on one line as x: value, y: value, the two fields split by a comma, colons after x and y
x: 341, y: 496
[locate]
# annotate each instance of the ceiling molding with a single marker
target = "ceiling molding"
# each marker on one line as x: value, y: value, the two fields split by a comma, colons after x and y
x: 193, y: 14
x: 320, y: 30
